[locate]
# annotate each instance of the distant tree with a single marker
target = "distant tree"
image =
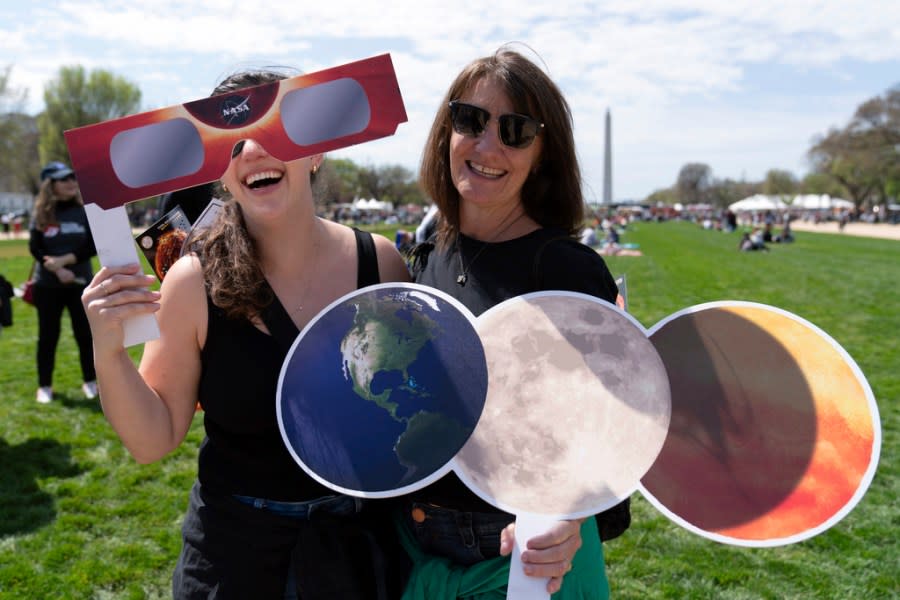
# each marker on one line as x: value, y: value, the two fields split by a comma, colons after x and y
x: 367, y: 185
x: 76, y: 98
x: 18, y: 140
x: 724, y: 192
x: 666, y: 196
x: 347, y: 177
x: 893, y: 189
x: 779, y: 182
x: 341, y: 180
x: 846, y: 156
x: 864, y: 156
x: 398, y: 184
x: 336, y: 181
x: 694, y: 180
x: 822, y: 183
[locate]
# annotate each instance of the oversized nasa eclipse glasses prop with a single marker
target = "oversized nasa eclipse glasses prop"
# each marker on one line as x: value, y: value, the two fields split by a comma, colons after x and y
x: 190, y: 144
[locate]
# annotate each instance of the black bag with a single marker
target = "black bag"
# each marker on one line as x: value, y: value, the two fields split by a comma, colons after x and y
x: 6, y: 295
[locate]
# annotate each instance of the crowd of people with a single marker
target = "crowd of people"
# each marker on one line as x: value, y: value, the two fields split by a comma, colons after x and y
x: 501, y: 165
x: 759, y: 237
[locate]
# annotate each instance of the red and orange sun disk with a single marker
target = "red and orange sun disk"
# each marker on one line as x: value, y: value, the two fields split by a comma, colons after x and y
x: 775, y: 433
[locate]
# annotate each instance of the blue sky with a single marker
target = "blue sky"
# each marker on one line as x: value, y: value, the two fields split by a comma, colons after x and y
x: 741, y: 86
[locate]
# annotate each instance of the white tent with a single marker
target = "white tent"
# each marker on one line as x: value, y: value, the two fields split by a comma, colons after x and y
x: 372, y: 204
x: 758, y: 202
x: 817, y: 202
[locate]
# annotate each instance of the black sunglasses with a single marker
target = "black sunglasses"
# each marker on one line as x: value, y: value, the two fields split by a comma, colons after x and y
x: 66, y: 178
x: 516, y: 131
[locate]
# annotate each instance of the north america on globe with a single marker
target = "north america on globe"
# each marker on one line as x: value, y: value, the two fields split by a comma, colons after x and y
x: 386, y: 337
x: 383, y: 389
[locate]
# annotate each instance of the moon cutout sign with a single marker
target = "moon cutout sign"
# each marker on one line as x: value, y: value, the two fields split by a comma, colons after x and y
x: 573, y: 384
x: 775, y: 434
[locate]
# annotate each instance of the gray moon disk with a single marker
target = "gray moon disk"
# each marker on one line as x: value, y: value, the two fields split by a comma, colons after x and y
x: 577, y: 409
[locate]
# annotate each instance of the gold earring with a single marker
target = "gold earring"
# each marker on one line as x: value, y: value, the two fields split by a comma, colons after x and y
x: 224, y: 188
x: 315, y: 169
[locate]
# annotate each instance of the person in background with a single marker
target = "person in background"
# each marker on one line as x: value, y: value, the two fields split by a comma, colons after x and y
x: 428, y: 225
x: 257, y: 525
x: 787, y: 235
x: 501, y: 166
x: 60, y: 242
x: 588, y: 235
x: 6, y: 296
x: 757, y: 238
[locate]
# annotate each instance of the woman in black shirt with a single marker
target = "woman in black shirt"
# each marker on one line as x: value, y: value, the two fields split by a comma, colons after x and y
x: 257, y: 526
x: 60, y: 241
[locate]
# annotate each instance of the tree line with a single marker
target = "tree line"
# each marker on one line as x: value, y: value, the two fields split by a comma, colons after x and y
x: 76, y: 97
x: 859, y: 161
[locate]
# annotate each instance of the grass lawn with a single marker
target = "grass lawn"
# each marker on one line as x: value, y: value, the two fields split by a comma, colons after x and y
x: 80, y: 519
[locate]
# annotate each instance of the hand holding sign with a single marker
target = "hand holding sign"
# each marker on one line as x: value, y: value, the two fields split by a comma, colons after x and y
x: 573, y: 382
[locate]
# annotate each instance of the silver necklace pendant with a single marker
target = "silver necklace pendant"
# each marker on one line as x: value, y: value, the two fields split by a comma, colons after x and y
x: 461, y: 279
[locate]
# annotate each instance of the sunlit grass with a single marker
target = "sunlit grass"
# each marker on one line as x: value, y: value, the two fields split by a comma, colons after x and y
x: 80, y: 519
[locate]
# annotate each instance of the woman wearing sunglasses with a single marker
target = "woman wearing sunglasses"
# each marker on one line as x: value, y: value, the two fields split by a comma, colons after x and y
x: 500, y: 164
x: 60, y: 241
x: 257, y: 526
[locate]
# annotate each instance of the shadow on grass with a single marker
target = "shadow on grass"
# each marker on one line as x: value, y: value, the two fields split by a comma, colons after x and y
x: 78, y: 401
x: 23, y: 505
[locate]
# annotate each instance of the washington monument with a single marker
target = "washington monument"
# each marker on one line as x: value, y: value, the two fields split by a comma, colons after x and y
x: 607, y: 162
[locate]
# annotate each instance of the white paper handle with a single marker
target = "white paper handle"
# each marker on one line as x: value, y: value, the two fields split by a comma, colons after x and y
x: 521, y: 586
x: 111, y: 231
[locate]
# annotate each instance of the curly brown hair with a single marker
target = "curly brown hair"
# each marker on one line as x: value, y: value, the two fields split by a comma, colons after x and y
x: 228, y: 254
x: 552, y: 195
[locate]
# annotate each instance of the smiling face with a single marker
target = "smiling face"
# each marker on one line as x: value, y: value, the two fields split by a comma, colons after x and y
x: 263, y: 185
x: 488, y: 174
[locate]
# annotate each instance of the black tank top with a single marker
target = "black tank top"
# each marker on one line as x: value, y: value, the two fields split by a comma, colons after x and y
x: 243, y: 452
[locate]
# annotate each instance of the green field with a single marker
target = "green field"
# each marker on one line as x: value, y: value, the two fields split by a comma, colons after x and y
x: 80, y: 519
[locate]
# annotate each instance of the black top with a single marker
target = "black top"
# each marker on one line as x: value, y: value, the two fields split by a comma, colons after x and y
x: 243, y: 452
x: 545, y: 259
x: 70, y: 233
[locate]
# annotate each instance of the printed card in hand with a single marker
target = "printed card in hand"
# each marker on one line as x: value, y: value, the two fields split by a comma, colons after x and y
x: 162, y: 242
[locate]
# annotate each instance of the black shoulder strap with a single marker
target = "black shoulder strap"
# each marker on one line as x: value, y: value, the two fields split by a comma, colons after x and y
x: 279, y: 322
x: 367, y: 259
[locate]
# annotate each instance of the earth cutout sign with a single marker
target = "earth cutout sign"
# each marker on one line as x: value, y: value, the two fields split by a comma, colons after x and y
x: 381, y: 389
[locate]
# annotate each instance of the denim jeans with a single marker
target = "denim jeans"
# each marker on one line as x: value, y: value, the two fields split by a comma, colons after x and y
x: 340, y: 506
x: 464, y: 537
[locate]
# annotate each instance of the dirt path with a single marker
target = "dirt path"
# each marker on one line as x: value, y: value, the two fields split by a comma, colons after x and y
x: 879, y: 230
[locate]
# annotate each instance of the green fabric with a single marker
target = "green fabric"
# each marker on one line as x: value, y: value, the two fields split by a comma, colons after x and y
x: 436, y: 578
